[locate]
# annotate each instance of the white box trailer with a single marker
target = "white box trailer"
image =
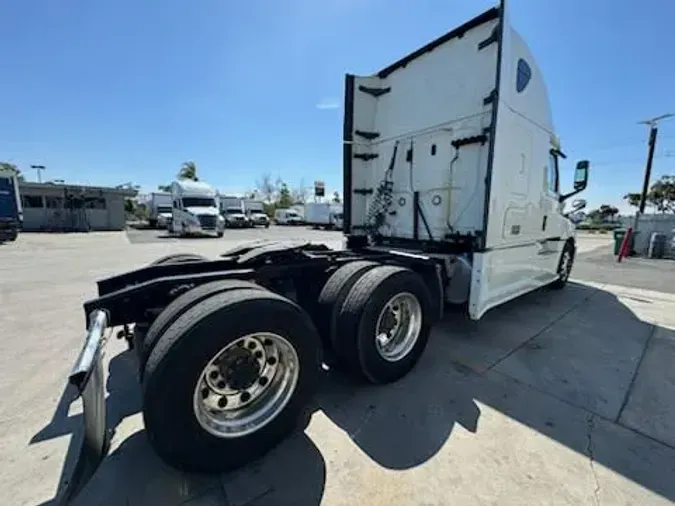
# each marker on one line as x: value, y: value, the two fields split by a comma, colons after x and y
x: 160, y: 207
x: 451, y: 194
x: 323, y: 214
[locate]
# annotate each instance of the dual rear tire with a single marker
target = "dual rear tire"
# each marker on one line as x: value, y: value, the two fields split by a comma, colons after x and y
x: 219, y: 388
x: 229, y: 369
x: 376, y: 319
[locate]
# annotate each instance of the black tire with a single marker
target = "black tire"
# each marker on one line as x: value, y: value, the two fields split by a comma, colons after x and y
x: 564, y: 267
x: 179, y: 258
x: 332, y: 295
x: 179, y: 306
x: 357, y: 322
x: 182, y: 352
x: 220, y: 234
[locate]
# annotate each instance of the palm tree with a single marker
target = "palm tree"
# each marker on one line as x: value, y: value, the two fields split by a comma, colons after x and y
x: 188, y: 171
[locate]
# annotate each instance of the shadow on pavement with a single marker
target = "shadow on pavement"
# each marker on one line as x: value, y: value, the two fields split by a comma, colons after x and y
x: 402, y: 425
x: 566, y: 364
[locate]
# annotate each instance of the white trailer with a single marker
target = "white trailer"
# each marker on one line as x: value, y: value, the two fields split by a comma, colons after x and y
x: 451, y: 194
x: 195, y: 209
x: 160, y: 207
x: 323, y: 214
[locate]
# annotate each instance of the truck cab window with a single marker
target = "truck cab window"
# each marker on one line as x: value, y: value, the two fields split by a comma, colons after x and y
x: 552, y: 173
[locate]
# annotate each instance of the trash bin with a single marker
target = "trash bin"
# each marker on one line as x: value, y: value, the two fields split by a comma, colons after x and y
x: 619, y: 234
x: 657, y: 245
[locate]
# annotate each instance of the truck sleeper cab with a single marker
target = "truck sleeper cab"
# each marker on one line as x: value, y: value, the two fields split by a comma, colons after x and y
x: 457, y: 202
x: 195, y: 209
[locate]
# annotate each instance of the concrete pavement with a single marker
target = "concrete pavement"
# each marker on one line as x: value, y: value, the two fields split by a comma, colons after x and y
x: 556, y: 398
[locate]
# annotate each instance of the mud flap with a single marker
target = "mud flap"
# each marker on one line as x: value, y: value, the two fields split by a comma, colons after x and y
x: 87, y: 377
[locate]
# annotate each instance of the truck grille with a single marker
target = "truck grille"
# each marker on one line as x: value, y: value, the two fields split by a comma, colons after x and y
x: 207, y: 222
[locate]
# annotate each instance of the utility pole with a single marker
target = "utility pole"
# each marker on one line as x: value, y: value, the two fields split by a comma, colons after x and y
x: 653, y: 131
x: 39, y: 169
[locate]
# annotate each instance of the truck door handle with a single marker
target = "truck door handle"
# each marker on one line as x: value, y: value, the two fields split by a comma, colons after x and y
x: 543, y: 223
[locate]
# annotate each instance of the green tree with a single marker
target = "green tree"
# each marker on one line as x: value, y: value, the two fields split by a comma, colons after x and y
x: 285, y: 197
x: 607, y: 212
x: 13, y: 168
x: 336, y: 198
x: 164, y: 187
x: 660, y: 197
x: 188, y: 171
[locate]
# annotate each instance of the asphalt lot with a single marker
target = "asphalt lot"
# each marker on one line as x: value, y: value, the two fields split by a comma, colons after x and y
x: 556, y: 398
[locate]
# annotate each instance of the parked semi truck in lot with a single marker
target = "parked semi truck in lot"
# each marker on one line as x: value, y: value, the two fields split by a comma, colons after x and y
x: 232, y: 209
x: 195, y: 209
x: 323, y: 215
x: 255, y: 212
x: 451, y: 195
x: 11, y: 211
x: 160, y: 207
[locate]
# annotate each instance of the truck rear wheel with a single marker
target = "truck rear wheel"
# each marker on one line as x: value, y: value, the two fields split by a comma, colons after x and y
x: 333, y: 294
x: 179, y: 306
x: 223, y: 386
x: 383, y: 325
x: 179, y: 258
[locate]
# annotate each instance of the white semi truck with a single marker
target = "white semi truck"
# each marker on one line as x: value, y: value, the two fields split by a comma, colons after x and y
x: 255, y: 212
x: 195, y: 209
x: 451, y: 195
x: 232, y: 209
x: 160, y: 207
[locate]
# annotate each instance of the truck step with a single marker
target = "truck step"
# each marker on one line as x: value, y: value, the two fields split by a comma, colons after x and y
x: 375, y: 92
x: 366, y: 156
x: 367, y: 135
x: 475, y: 139
x: 363, y: 191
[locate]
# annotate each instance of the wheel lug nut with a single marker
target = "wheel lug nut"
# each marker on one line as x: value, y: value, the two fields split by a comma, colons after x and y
x: 222, y: 402
x: 245, y: 396
x: 272, y: 360
x: 263, y: 381
x: 251, y: 345
x: 221, y: 384
x: 258, y: 354
x: 240, y: 344
x: 213, y: 375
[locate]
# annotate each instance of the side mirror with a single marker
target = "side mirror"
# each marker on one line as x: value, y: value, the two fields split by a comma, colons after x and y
x: 580, y: 179
x: 581, y: 175
x: 578, y: 205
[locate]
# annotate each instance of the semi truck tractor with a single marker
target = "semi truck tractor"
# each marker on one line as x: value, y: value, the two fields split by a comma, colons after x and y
x: 11, y: 211
x: 451, y: 196
x: 255, y: 212
x: 195, y: 209
x: 234, y: 212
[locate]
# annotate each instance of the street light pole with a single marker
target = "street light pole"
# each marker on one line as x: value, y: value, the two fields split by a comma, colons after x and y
x: 39, y: 169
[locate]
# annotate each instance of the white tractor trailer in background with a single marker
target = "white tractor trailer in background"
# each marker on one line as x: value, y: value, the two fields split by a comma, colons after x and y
x: 451, y: 195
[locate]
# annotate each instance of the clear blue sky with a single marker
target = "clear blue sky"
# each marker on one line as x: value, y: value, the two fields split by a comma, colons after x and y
x: 110, y: 92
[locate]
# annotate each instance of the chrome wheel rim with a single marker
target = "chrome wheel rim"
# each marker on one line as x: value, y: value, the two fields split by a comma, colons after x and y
x: 246, y: 385
x: 398, y: 327
x: 565, y: 266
